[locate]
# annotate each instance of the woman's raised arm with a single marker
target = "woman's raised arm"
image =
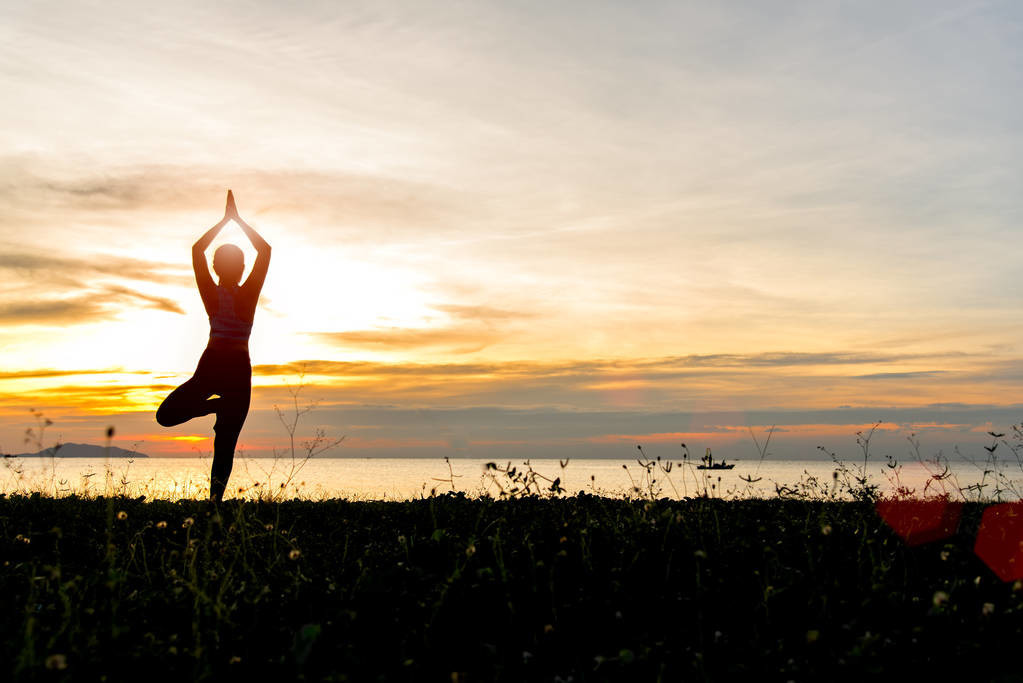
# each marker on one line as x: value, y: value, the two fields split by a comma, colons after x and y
x: 203, y: 279
x: 254, y: 283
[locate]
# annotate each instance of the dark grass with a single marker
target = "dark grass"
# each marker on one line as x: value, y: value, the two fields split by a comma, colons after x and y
x: 581, y: 588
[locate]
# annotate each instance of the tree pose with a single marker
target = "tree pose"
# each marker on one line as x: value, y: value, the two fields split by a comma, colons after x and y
x: 224, y: 369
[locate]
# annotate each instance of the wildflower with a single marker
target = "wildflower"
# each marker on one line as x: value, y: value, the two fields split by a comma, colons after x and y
x: 988, y: 609
x: 161, y: 525
x: 187, y: 523
x: 470, y: 551
x: 56, y: 662
x: 826, y: 529
x: 295, y: 552
x: 234, y: 660
x: 268, y: 527
x: 122, y: 515
x: 944, y: 555
x: 940, y: 598
x: 563, y: 539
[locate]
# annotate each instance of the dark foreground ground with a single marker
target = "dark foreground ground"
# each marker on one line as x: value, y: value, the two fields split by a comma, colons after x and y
x: 449, y: 588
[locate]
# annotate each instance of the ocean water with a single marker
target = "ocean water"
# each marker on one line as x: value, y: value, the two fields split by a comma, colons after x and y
x: 403, y: 478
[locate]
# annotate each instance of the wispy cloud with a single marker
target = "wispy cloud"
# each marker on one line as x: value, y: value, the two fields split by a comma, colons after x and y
x: 484, y: 314
x: 91, y: 398
x: 466, y: 329
x: 66, y: 312
x: 53, y: 288
x: 101, y: 305
x: 45, y: 373
x: 405, y: 339
x: 923, y: 374
x: 653, y: 366
x: 160, y: 303
x: 326, y: 201
x: 37, y: 265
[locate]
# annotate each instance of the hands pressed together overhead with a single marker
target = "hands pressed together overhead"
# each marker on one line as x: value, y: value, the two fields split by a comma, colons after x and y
x: 204, y: 280
x: 231, y: 211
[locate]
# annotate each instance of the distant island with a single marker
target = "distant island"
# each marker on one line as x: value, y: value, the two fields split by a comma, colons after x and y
x: 82, y: 450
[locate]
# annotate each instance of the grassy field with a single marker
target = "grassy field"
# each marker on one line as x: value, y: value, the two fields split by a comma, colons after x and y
x: 452, y: 588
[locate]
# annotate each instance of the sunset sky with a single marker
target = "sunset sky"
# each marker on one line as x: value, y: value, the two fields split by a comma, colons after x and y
x: 522, y: 228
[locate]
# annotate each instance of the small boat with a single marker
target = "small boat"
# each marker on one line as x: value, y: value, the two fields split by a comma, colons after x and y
x: 709, y: 464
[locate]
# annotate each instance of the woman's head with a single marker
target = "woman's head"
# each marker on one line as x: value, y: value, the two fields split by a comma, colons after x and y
x: 229, y: 264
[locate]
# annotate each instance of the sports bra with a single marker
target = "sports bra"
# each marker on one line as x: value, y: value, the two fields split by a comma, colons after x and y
x: 225, y: 325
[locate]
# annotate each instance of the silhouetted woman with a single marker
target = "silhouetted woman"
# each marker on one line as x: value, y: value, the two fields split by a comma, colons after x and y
x: 224, y: 368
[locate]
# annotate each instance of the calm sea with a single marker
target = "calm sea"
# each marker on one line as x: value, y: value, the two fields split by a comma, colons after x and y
x: 402, y: 478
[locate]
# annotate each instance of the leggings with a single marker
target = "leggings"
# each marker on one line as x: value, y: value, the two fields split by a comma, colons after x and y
x: 228, y: 374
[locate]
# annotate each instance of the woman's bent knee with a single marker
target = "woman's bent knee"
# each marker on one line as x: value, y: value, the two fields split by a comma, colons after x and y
x: 162, y: 418
x: 167, y: 417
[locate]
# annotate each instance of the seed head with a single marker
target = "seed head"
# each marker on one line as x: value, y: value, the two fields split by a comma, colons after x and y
x: 56, y: 662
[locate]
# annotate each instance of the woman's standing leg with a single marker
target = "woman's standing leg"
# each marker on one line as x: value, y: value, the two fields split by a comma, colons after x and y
x: 231, y: 414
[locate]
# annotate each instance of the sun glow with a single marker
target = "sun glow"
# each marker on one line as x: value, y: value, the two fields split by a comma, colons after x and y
x: 311, y: 291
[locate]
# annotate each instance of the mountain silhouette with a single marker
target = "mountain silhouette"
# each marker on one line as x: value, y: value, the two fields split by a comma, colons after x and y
x: 83, y: 450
